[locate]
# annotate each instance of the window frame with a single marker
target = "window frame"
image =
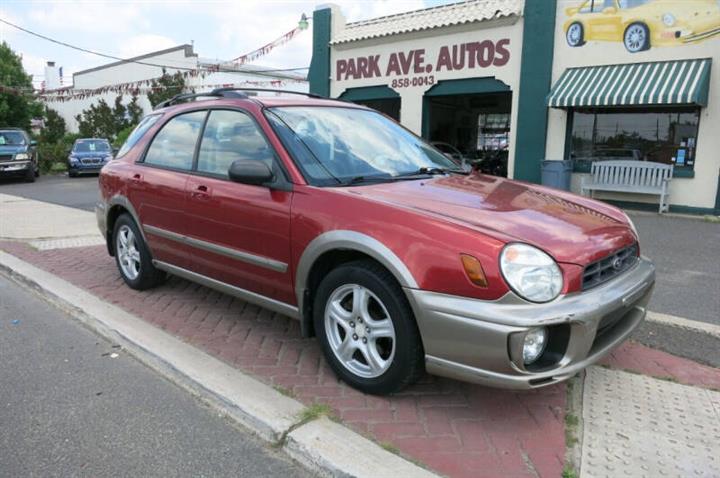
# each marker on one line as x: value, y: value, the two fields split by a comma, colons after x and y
x: 281, y: 181
x: 278, y: 166
x: 141, y: 159
x: 678, y: 171
x: 124, y: 153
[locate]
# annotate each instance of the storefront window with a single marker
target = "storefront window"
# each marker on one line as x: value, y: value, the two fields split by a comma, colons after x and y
x: 662, y: 135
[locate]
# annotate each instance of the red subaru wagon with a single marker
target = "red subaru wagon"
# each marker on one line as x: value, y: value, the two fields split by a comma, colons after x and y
x: 396, y: 259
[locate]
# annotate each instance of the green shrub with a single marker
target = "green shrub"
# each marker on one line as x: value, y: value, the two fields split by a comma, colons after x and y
x: 51, y: 153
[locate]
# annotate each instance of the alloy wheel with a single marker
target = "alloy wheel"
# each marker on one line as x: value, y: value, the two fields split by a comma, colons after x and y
x: 635, y: 38
x: 128, y: 253
x: 360, y: 331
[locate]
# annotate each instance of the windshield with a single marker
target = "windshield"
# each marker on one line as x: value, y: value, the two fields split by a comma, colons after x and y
x: 91, y: 146
x: 334, y: 145
x: 11, y: 138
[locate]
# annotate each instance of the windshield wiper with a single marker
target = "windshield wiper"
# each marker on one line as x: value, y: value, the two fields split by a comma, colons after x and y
x: 432, y: 172
x: 366, y: 179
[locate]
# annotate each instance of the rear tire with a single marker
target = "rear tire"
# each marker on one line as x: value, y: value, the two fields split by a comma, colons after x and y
x: 132, y: 255
x: 575, y: 34
x: 366, y: 328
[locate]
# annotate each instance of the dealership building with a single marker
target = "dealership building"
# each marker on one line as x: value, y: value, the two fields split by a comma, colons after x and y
x: 533, y: 80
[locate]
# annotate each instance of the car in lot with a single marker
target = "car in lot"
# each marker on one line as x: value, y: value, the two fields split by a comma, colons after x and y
x: 394, y: 258
x: 88, y: 156
x: 18, y: 154
x: 454, y: 154
x: 640, y: 24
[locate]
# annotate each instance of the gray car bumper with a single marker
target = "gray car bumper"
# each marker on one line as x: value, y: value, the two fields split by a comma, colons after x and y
x: 481, y: 341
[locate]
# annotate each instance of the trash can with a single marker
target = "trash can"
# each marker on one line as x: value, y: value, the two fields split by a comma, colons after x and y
x: 556, y: 174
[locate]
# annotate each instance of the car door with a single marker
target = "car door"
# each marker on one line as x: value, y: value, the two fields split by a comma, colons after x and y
x: 604, y: 21
x: 241, y: 232
x: 157, y: 186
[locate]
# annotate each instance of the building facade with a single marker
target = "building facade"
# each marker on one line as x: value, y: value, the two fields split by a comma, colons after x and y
x: 144, y: 68
x: 531, y: 80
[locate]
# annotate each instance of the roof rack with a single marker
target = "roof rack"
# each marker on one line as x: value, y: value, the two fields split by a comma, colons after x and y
x: 230, y: 92
x: 182, y: 97
x: 238, y: 91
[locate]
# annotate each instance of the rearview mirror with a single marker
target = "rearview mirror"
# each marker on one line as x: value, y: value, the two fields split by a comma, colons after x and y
x: 250, y: 172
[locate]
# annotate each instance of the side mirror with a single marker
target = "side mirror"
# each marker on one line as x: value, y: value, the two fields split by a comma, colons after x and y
x: 250, y: 172
x: 609, y: 10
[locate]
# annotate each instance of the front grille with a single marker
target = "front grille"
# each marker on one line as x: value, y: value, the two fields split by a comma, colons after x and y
x: 5, y: 157
x: 609, y: 267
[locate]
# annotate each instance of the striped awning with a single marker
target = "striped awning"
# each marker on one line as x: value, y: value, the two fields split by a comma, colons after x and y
x: 680, y: 82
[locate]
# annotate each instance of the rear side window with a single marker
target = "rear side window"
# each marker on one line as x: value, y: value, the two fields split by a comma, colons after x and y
x: 229, y: 136
x: 138, y: 133
x: 174, y: 146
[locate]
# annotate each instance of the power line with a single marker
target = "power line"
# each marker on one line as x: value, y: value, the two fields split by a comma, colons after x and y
x: 216, y: 68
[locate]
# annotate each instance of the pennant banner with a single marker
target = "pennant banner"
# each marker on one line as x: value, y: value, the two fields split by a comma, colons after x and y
x: 264, y: 50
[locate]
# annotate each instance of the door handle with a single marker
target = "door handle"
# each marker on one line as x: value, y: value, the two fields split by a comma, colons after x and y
x: 201, y: 192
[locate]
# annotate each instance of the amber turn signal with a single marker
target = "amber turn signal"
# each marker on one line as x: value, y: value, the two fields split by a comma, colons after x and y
x: 474, y: 270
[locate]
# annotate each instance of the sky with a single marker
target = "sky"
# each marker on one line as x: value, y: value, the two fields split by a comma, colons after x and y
x: 219, y: 29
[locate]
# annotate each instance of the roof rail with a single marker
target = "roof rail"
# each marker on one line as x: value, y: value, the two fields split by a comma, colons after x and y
x: 230, y: 92
x: 238, y: 91
x: 183, y: 97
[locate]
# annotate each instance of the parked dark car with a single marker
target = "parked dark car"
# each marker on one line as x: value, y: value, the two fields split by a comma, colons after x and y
x: 18, y: 154
x: 88, y: 156
x: 395, y: 258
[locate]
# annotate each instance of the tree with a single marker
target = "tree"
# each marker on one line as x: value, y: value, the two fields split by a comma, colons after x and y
x: 166, y: 87
x: 54, y: 129
x: 102, y: 121
x: 17, y: 107
x: 98, y: 121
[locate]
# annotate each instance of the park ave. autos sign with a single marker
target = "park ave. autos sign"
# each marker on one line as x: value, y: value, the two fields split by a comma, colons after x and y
x: 415, y: 68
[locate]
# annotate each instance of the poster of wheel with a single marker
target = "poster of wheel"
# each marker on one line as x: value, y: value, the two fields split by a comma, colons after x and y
x: 642, y: 24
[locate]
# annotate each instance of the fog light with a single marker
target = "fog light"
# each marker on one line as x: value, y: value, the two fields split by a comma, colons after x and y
x: 534, y: 344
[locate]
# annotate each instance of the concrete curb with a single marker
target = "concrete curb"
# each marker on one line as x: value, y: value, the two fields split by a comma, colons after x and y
x: 323, y: 446
x: 693, y: 325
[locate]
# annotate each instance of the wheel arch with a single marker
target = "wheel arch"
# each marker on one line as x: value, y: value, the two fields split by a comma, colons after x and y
x: 337, y: 247
x: 116, y: 206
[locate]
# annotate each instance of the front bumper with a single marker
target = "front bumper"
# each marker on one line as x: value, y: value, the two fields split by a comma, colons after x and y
x: 14, y: 167
x: 481, y: 341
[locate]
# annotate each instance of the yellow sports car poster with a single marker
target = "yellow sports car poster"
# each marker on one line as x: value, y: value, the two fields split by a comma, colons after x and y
x: 642, y: 24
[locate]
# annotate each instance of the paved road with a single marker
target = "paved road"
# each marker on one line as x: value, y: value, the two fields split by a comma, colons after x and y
x: 68, y: 408
x: 80, y: 192
x: 686, y: 250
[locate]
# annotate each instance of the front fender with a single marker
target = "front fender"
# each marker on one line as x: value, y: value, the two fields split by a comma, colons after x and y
x: 349, y: 240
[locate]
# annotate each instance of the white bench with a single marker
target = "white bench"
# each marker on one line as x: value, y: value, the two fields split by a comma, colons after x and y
x: 639, y: 177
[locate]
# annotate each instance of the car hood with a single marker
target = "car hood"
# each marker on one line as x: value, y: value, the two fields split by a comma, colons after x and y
x: 13, y: 148
x: 571, y: 228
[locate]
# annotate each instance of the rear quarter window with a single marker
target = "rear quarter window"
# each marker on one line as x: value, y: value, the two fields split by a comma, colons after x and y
x: 139, y: 131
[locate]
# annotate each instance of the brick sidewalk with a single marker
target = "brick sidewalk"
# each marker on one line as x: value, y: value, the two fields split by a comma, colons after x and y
x: 454, y: 428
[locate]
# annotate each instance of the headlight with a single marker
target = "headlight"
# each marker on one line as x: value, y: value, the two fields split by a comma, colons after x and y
x: 21, y: 156
x: 73, y: 159
x: 668, y: 19
x: 530, y: 273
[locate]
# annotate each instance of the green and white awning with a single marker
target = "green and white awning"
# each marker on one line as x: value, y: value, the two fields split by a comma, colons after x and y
x: 680, y: 82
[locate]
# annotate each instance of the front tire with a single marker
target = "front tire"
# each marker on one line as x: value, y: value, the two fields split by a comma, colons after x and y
x: 366, y: 329
x: 636, y: 38
x: 132, y: 256
x: 30, y: 175
x: 575, y: 34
